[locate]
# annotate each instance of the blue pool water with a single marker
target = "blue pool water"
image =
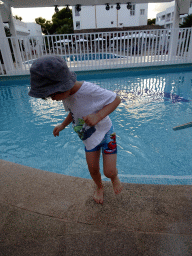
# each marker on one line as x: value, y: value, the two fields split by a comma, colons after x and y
x: 81, y: 57
x: 90, y: 56
x: 149, y: 151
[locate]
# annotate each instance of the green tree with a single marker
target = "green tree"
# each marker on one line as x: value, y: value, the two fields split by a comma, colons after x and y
x: 151, y: 21
x: 187, y: 22
x: 62, y: 23
x: 18, y: 18
x: 46, y: 25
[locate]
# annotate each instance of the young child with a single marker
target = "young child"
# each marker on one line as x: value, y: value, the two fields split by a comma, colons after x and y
x: 89, y: 106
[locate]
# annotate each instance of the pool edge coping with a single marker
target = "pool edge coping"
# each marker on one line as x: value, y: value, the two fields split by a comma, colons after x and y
x: 108, y: 71
x: 69, y: 200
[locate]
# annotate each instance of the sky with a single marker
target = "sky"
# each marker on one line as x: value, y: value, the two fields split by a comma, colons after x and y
x: 29, y: 14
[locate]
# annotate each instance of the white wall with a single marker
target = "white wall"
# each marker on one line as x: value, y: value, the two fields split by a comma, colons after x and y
x: 159, y: 20
x: 34, y: 29
x: 104, y: 18
x: 21, y: 28
x: 125, y: 17
x: 110, y: 18
x: 90, y: 14
x: 190, y: 10
x: 143, y: 18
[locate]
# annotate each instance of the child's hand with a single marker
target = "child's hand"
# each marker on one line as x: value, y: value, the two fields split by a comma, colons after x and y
x: 91, y: 120
x: 57, y: 129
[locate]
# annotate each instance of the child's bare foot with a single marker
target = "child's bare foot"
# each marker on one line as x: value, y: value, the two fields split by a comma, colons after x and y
x: 116, y: 185
x: 98, y: 196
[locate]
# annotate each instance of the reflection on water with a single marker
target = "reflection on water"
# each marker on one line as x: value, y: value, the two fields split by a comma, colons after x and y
x: 149, y: 151
x: 47, y: 110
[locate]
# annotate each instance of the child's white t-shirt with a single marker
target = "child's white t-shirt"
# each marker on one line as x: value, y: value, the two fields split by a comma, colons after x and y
x: 89, y: 99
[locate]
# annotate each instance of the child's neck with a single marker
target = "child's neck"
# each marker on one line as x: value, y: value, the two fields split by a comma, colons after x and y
x: 76, y: 87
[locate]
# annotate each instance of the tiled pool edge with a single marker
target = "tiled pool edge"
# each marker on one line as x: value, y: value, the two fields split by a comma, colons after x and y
x: 132, y: 71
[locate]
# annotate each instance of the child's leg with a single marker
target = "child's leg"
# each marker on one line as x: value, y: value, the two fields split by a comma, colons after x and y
x: 110, y: 171
x: 93, y: 165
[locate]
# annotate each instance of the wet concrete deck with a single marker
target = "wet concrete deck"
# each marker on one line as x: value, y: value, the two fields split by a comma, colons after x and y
x: 43, y: 213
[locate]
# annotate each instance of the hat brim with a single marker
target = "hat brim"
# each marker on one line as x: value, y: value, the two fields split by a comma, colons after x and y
x: 51, y: 88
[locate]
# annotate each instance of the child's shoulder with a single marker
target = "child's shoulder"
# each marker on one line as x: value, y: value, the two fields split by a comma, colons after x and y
x: 93, y: 90
x: 88, y: 86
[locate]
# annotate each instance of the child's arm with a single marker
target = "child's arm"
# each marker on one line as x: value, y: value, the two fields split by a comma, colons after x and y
x: 62, y: 126
x: 93, y: 119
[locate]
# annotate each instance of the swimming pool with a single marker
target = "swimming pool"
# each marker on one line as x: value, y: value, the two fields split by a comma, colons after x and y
x: 82, y: 57
x: 149, y: 151
x: 90, y: 56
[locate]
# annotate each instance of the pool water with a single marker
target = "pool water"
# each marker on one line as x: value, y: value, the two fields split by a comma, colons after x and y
x: 90, y: 56
x: 82, y: 57
x: 149, y: 150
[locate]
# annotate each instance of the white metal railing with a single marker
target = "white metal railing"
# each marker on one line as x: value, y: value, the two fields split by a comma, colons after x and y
x: 106, y: 50
x: 1, y: 69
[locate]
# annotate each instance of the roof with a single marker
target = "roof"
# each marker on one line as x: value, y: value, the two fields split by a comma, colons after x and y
x: 50, y: 3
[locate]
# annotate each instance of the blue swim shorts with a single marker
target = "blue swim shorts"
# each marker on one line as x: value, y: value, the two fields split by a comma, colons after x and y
x: 108, y: 144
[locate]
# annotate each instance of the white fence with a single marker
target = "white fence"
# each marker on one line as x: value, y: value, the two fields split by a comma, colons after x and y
x: 107, y: 50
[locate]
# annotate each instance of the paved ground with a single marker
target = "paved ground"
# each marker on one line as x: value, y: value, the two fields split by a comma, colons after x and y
x: 43, y: 213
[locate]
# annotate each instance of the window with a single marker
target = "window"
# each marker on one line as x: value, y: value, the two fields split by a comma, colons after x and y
x: 121, y: 24
x: 77, y: 24
x: 132, y: 10
x: 112, y: 22
x: 168, y: 17
x: 142, y: 11
x: 111, y: 6
x: 191, y: 4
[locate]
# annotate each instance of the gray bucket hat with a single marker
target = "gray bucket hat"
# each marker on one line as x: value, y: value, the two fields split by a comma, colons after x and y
x: 50, y: 74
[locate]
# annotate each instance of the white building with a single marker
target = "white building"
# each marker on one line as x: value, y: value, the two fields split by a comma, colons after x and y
x: 22, y: 28
x: 30, y: 34
x: 34, y: 29
x: 166, y: 17
x: 93, y: 17
x: 26, y: 29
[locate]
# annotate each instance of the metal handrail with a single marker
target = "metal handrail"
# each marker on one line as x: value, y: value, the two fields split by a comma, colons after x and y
x: 103, y: 50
